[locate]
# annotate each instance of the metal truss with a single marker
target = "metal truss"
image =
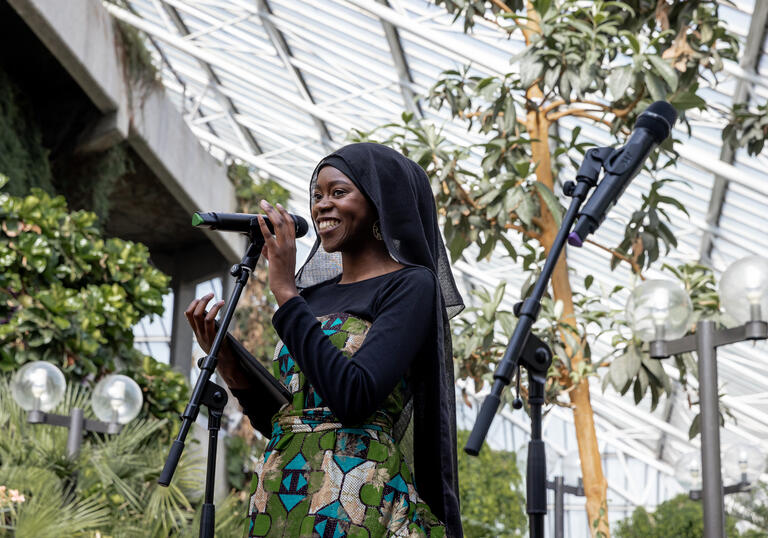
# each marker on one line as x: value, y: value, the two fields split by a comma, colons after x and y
x: 750, y: 57
x: 277, y: 84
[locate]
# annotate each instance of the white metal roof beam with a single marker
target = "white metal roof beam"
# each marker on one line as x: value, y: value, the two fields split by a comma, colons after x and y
x: 464, y: 51
x: 669, y: 409
x: 284, y: 51
x: 223, y: 64
x: 749, y: 61
x: 401, y: 65
x: 244, y: 135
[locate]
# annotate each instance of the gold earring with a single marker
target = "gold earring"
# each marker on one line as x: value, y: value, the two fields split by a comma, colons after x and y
x: 377, y: 231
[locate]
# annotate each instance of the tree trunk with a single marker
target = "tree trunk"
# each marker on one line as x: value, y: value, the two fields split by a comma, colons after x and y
x: 595, y: 485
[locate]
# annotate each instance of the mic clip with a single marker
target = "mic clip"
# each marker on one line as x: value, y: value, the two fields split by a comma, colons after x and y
x: 594, y: 161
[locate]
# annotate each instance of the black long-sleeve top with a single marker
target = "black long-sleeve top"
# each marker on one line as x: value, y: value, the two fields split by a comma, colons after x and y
x: 400, y: 305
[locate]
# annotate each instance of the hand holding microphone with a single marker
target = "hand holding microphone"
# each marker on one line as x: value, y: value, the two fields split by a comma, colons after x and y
x: 278, y: 229
x: 651, y: 129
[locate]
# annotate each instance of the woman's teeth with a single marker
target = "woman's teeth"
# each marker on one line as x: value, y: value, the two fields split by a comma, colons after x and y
x: 325, y: 224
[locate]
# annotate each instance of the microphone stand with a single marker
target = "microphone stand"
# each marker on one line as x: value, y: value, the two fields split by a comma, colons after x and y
x: 529, y: 351
x: 208, y: 393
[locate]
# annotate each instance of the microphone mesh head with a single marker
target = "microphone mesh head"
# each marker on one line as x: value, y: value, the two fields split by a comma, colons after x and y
x: 301, y: 226
x: 658, y: 118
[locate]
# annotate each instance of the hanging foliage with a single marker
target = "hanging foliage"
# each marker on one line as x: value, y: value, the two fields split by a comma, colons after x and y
x: 22, y: 155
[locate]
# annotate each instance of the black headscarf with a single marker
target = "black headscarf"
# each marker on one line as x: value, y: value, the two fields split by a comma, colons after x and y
x: 400, y: 191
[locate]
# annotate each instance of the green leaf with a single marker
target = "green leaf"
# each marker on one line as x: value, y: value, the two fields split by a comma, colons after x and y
x: 688, y: 100
x: 695, y: 427
x: 551, y: 201
x: 664, y: 69
x: 486, y: 249
x: 526, y: 210
x: 619, y: 80
x: 655, y: 86
x: 633, y: 41
x: 588, y: 280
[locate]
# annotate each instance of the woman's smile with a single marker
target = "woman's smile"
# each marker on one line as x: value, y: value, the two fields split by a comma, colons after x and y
x: 327, y: 224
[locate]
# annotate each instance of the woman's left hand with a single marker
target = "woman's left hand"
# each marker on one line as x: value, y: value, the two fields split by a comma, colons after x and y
x: 280, y: 251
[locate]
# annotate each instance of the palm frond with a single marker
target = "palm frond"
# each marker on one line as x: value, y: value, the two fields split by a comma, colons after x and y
x: 47, y: 511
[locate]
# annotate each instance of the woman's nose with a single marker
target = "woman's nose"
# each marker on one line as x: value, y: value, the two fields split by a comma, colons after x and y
x: 323, y: 202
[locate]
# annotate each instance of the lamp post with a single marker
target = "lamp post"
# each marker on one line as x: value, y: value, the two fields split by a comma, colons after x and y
x: 660, y: 312
x: 571, y: 472
x: 39, y: 386
x: 743, y: 465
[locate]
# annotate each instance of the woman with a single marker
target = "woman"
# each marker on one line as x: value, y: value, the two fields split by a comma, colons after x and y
x: 367, y: 447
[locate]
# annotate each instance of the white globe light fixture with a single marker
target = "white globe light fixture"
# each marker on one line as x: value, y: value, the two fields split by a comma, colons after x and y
x: 688, y: 471
x: 743, y: 463
x: 116, y: 399
x: 744, y: 289
x: 38, y: 386
x: 659, y: 309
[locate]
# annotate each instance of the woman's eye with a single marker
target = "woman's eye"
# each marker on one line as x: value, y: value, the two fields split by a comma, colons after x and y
x: 339, y: 192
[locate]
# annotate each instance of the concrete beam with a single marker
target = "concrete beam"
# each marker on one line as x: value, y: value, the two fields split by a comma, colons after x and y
x: 82, y: 37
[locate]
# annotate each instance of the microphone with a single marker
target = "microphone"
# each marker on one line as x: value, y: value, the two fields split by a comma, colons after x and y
x: 651, y: 129
x: 242, y: 222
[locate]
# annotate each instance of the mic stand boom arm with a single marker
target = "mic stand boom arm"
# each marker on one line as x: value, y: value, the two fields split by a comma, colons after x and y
x: 525, y: 349
x: 208, y: 393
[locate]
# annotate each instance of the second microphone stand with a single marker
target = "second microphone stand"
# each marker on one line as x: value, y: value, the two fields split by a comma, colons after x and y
x: 208, y: 393
x: 529, y: 351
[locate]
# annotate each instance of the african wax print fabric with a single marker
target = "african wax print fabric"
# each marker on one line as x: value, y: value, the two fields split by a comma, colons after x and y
x: 319, y: 478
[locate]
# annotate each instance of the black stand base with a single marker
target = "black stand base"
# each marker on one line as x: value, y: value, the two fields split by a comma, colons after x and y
x: 215, y: 398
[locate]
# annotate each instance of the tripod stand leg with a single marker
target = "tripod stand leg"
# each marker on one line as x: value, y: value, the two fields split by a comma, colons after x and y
x: 215, y: 398
x: 537, y: 464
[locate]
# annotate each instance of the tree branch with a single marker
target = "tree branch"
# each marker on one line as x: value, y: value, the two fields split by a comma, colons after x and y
x: 551, y: 106
x: 626, y: 110
x: 502, y: 6
x: 482, y: 114
x: 559, y: 102
x: 463, y: 194
x: 581, y: 112
x: 623, y: 257
x: 525, y: 231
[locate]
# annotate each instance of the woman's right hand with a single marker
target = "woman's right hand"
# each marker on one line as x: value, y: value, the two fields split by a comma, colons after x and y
x: 202, y: 322
x: 204, y: 326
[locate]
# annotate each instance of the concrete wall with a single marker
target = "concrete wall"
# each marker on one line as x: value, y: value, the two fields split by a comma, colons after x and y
x: 81, y: 35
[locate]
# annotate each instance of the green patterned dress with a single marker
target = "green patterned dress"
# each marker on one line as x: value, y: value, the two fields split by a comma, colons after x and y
x: 318, y: 478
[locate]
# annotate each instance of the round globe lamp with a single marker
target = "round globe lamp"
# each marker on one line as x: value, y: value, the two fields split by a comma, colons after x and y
x: 659, y: 310
x: 688, y: 470
x: 38, y: 386
x: 116, y: 399
x: 744, y: 289
x: 743, y: 463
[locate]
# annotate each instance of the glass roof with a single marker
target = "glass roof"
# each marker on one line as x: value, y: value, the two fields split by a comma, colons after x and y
x: 279, y: 83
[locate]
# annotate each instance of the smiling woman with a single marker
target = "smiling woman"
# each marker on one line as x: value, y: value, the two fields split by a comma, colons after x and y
x: 367, y: 444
